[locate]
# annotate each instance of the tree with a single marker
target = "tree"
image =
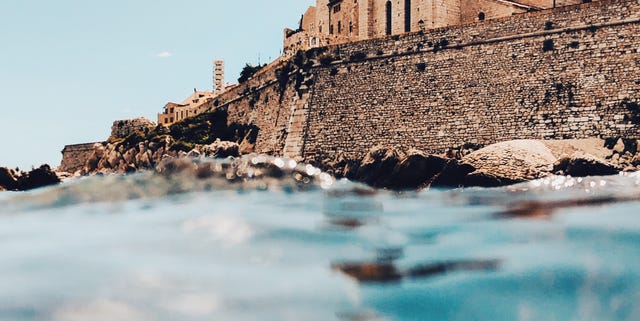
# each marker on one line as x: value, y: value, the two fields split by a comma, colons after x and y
x: 247, y: 72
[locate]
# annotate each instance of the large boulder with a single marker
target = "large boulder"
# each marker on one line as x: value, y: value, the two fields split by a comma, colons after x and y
x: 221, y: 149
x: 8, y: 180
x: 377, y: 167
x: 453, y: 174
x: 512, y: 161
x: 582, y: 165
x: 415, y: 170
x: 341, y: 165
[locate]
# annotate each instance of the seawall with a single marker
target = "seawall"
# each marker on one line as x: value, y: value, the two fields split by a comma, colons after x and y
x: 572, y: 72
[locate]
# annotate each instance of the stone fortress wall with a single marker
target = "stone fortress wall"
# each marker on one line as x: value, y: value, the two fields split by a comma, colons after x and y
x: 341, y: 21
x: 571, y: 72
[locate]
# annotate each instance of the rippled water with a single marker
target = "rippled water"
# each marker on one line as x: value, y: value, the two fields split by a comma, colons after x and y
x: 151, y: 247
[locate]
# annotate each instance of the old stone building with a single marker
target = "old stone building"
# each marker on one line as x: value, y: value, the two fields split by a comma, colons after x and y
x: 340, y: 21
x: 192, y: 106
x: 197, y: 103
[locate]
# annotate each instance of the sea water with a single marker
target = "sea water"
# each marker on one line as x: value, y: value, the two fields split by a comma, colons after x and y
x: 137, y: 248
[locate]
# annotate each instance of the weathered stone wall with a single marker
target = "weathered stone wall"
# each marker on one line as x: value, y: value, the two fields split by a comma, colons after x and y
x: 267, y: 100
x: 75, y: 156
x: 569, y: 73
x: 472, y: 10
x: 573, y: 72
x: 549, y: 3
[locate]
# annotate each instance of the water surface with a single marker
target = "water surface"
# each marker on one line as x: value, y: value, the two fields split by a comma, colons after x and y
x: 156, y: 247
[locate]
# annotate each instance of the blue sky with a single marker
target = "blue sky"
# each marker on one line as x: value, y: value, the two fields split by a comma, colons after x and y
x: 69, y: 68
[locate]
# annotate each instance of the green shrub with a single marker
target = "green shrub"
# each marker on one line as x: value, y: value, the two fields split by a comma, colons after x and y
x: 247, y: 72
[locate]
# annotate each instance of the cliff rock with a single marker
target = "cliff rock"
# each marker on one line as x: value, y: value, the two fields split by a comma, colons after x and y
x: 122, y: 129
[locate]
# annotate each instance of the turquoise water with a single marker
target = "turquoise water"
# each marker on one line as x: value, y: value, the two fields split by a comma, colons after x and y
x: 152, y: 247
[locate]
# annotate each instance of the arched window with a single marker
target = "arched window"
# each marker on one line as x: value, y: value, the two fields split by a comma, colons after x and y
x: 481, y: 16
x: 388, y: 17
x: 407, y: 15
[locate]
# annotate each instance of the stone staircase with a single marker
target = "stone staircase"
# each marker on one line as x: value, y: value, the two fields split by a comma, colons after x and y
x: 297, y: 125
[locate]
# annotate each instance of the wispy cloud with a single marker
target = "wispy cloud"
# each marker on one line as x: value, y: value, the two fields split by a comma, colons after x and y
x: 164, y: 54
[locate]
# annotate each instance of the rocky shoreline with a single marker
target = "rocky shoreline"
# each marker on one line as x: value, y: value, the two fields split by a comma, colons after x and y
x: 496, y: 165
x: 139, y: 144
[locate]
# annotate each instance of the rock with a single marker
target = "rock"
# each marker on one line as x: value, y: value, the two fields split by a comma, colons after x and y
x: 512, y: 161
x: 481, y: 179
x: 636, y: 160
x: 114, y: 159
x: 143, y: 160
x: 378, y: 165
x: 615, y: 158
x: 619, y: 146
x: 453, y: 174
x: 8, y: 180
x: 129, y: 155
x: 99, y: 150
x: 39, y: 177
x: 194, y: 153
x: 130, y: 168
x: 340, y: 166
x: 124, y: 128
x: 582, y: 165
x: 415, y: 170
x: 222, y: 149
x: 175, y: 166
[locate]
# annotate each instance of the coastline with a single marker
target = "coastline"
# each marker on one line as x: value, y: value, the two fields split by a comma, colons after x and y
x: 496, y: 165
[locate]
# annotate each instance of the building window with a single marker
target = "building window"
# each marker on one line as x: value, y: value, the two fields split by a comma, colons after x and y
x: 388, y: 6
x: 407, y: 15
x: 350, y: 27
x: 336, y: 9
x: 320, y: 29
x: 481, y: 16
x: 331, y: 29
x: 339, y: 27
